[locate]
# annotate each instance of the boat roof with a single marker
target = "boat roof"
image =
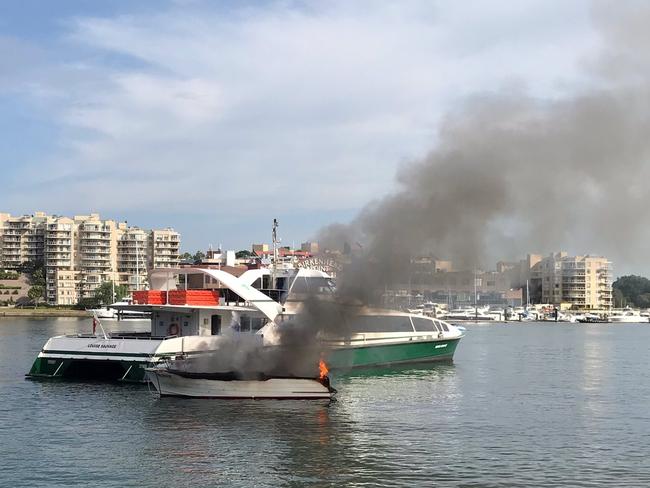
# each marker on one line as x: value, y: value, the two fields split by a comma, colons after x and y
x: 163, y: 279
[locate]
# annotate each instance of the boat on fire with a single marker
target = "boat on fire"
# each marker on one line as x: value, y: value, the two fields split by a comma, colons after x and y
x: 174, y: 378
x: 228, y: 385
x: 193, y: 310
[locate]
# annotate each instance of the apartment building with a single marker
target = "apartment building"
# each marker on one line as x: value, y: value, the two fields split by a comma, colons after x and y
x: 579, y: 282
x: 82, y: 252
x: 133, y: 251
x: 21, y: 238
x: 164, y: 248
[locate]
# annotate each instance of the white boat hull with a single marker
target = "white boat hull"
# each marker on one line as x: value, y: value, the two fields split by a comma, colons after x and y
x: 171, y: 384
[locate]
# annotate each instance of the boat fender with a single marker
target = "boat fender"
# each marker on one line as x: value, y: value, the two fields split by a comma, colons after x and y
x: 173, y: 330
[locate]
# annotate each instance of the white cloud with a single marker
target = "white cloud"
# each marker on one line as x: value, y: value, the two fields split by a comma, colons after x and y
x: 311, y: 104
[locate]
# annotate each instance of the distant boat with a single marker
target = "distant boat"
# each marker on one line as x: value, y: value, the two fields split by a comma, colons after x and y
x: 114, y: 312
x: 591, y: 318
x: 627, y: 315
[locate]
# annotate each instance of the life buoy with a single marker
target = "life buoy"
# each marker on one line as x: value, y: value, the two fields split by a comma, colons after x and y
x: 172, y: 330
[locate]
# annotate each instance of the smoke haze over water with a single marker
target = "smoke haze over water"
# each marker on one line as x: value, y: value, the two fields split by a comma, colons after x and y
x: 511, y: 174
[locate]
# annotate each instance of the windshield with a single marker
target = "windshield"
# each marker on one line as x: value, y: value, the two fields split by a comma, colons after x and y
x: 313, y: 286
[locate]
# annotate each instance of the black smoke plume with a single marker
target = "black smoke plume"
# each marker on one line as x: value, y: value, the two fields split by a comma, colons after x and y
x: 512, y: 174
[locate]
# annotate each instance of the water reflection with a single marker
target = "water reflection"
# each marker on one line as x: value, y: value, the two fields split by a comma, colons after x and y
x: 293, y: 440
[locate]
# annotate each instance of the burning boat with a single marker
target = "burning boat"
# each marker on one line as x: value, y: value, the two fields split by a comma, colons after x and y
x: 177, y: 381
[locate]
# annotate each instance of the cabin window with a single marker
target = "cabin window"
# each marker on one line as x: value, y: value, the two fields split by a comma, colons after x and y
x: 381, y: 323
x: 251, y: 324
x: 312, y: 285
x: 423, y: 325
x: 215, y: 325
x: 444, y: 326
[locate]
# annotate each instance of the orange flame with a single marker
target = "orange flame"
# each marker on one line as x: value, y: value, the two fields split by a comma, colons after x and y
x: 322, y: 369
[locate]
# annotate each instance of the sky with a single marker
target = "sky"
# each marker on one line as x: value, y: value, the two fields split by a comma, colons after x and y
x: 216, y: 117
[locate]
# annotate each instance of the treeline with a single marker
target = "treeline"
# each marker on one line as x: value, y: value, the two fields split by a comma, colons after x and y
x: 631, y: 291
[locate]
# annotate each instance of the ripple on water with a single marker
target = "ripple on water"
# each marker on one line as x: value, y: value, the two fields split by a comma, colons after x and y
x: 521, y: 406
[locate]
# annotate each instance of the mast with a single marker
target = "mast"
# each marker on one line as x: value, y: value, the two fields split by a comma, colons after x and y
x: 475, y: 300
x: 275, y: 253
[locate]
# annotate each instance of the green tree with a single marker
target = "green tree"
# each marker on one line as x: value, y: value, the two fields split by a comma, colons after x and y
x: 104, y: 293
x: 244, y: 253
x: 35, y: 294
x: 86, y: 303
x: 197, y: 257
x: 632, y: 290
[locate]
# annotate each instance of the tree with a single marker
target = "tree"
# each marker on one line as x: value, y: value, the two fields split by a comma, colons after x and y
x: 35, y: 293
x: 104, y: 293
x: 197, y: 257
x: 244, y: 253
x: 186, y: 256
x: 632, y: 290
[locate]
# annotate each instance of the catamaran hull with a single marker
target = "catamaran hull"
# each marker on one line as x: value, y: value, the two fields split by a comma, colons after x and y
x: 90, y: 357
x: 170, y: 384
x: 396, y: 353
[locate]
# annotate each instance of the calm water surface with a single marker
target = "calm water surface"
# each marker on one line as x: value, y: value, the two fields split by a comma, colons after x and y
x: 523, y: 405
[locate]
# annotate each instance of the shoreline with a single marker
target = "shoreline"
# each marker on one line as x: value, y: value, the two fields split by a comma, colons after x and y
x: 42, y: 312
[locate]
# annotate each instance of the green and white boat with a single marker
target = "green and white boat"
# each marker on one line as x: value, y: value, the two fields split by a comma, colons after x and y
x: 193, y: 310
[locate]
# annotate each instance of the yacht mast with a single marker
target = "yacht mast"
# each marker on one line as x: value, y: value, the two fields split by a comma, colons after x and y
x: 475, y: 300
x: 275, y: 253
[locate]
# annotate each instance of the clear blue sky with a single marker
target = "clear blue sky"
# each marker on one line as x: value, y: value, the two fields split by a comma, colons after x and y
x: 216, y: 117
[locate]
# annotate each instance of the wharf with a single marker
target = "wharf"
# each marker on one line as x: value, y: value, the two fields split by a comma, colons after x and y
x: 42, y: 312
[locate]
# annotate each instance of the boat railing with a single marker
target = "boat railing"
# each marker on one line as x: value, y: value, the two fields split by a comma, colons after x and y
x: 143, y: 336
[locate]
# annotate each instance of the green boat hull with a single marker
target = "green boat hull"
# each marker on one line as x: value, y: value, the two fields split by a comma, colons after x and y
x: 345, y: 357
x: 58, y: 367
x: 397, y: 353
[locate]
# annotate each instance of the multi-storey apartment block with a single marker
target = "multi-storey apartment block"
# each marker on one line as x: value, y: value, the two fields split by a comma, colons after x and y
x: 82, y: 252
x: 165, y: 247
x: 584, y: 282
x: 133, y: 250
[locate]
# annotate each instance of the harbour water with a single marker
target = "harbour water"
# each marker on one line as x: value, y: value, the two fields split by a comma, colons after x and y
x: 531, y: 404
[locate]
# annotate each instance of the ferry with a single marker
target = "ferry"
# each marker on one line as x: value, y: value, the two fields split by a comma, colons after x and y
x: 194, y: 309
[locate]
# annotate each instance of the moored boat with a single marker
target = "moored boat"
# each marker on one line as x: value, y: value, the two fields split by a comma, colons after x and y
x: 627, y: 315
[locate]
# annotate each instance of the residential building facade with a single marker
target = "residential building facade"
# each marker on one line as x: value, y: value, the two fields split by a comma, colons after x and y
x: 578, y: 282
x: 82, y: 252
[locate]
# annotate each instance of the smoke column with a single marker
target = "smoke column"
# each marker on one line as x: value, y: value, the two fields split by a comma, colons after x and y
x: 512, y: 174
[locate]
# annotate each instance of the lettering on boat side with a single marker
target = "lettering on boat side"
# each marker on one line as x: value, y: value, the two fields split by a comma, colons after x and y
x: 103, y: 346
x: 440, y: 345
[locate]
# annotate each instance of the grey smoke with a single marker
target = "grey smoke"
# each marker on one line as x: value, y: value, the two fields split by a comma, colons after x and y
x: 299, y: 347
x: 512, y: 174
